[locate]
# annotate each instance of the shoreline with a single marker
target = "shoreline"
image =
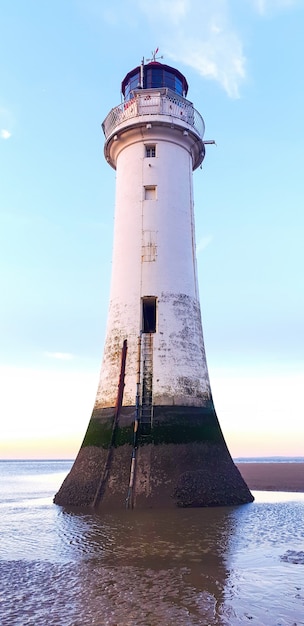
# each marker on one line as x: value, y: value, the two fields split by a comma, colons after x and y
x: 273, y: 476
x: 259, y: 475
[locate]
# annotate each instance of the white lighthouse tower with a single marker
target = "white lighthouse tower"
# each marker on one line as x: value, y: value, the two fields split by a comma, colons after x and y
x: 154, y: 438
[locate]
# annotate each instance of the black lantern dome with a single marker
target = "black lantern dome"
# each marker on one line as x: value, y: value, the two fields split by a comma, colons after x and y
x: 154, y: 75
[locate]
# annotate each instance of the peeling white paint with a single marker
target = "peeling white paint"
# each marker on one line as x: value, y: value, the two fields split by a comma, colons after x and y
x: 154, y: 255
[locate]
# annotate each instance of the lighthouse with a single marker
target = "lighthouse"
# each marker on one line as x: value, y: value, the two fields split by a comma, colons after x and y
x: 154, y: 439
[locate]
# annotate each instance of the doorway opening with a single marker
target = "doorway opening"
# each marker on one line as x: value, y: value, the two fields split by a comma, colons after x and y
x: 149, y: 314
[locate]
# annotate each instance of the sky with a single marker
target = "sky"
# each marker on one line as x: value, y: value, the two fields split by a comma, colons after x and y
x: 61, y: 67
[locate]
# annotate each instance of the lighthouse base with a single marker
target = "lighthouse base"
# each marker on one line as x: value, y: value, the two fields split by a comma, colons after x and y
x: 182, y: 462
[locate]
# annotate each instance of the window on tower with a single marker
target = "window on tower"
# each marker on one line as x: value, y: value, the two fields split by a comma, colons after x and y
x: 150, y: 192
x: 150, y: 151
x: 132, y: 84
x: 149, y: 314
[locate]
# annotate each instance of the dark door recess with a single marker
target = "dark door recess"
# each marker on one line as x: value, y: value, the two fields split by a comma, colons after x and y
x: 149, y: 314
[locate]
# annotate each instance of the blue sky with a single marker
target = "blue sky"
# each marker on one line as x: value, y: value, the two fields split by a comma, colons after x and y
x: 61, y: 66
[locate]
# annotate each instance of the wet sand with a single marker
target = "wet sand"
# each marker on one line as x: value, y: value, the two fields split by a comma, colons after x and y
x: 273, y: 476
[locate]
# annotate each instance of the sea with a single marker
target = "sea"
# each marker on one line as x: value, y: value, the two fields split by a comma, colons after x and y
x: 221, y: 566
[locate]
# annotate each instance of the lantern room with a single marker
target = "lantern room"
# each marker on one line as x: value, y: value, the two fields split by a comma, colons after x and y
x: 154, y: 75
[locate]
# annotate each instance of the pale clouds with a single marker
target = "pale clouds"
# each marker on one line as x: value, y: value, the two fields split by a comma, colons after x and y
x: 219, y: 56
x: 265, y: 430
x: 58, y: 429
x: 204, y: 36
x: 264, y: 7
x: 203, y: 243
x: 200, y: 35
x: 114, y: 14
x: 171, y: 11
x: 5, y: 134
x: 61, y: 356
x: 6, y: 121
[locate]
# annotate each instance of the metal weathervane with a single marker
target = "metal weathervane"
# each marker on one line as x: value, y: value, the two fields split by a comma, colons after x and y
x: 154, y: 57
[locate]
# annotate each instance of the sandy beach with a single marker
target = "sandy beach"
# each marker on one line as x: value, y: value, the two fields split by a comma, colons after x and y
x: 273, y: 476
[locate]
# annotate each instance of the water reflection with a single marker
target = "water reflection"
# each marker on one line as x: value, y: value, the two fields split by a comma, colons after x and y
x: 171, y: 565
x: 217, y: 567
x: 194, y: 535
x: 202, y: 566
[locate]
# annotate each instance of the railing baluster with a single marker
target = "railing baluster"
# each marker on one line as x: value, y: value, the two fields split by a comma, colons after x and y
x: 147, y: 103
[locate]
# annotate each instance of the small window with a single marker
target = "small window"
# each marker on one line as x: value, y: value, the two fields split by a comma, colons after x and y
x: 150, y: 192
x: 149, y: 314
x: 150, y: 151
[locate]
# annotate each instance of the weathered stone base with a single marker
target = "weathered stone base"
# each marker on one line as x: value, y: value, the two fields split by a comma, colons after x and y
x: 183, y: 461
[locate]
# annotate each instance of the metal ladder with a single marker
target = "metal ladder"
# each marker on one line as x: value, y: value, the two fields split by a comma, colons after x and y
x: 146, y: 413
x: 143, y: 406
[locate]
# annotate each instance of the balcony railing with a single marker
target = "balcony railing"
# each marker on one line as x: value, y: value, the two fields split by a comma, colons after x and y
x: 154, y: 102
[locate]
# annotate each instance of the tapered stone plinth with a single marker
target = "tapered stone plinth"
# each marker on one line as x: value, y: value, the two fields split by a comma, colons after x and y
x: 183, y: 462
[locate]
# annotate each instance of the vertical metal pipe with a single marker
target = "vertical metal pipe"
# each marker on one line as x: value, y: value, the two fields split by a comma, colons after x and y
x: 129, y: 499
x: 142, y: 74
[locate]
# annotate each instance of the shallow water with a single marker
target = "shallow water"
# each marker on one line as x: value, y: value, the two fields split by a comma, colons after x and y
x: 188, y: 567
